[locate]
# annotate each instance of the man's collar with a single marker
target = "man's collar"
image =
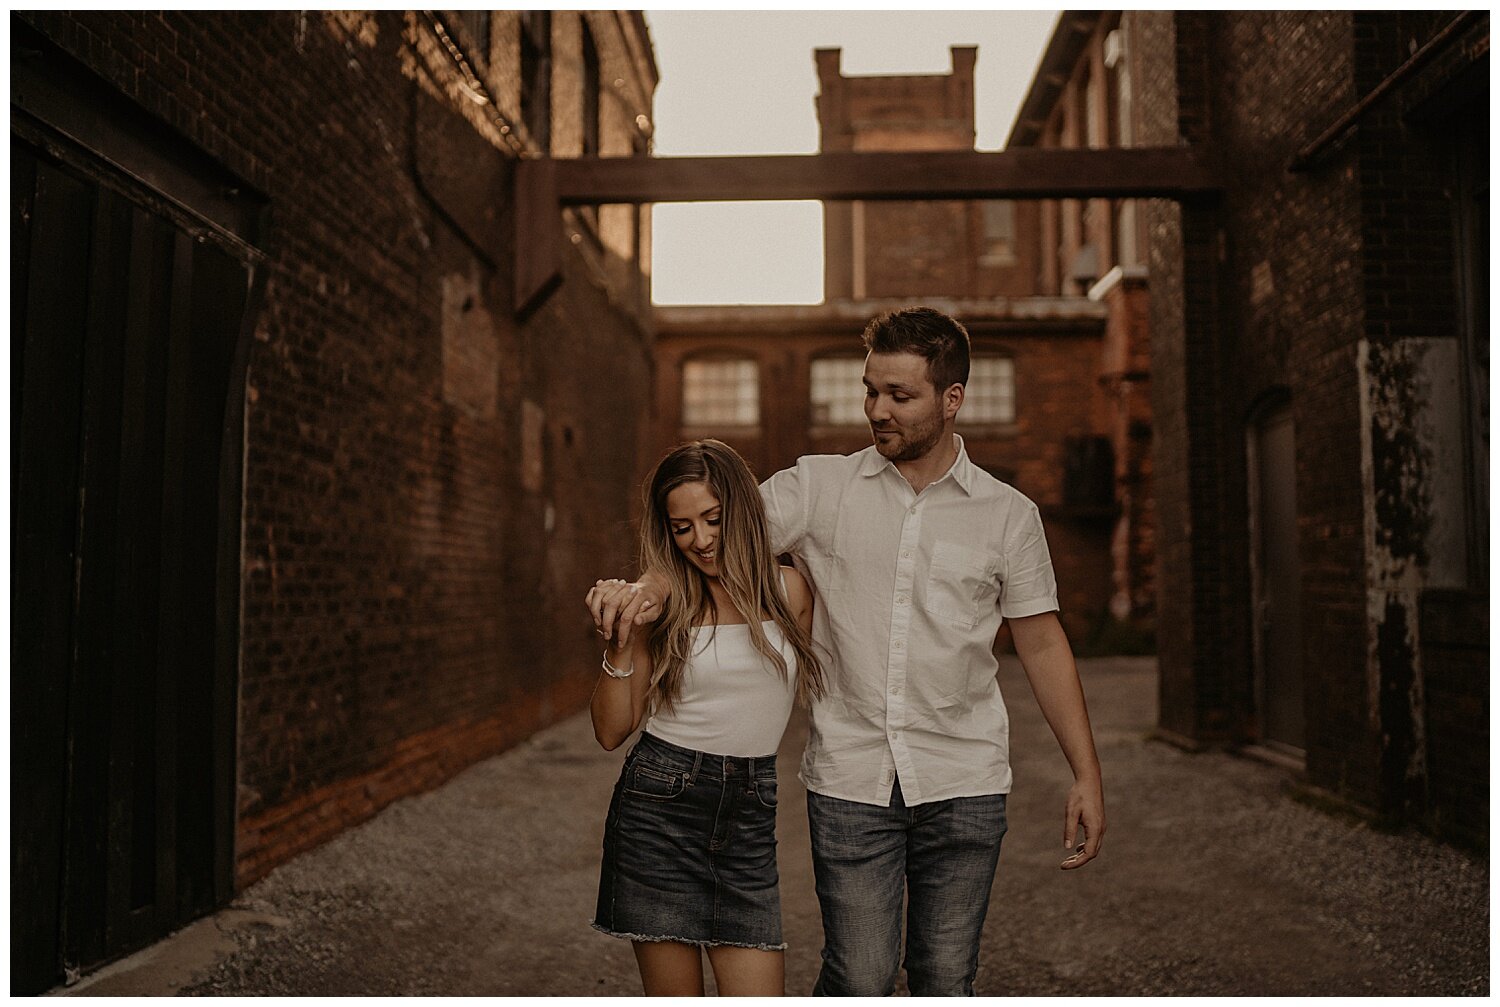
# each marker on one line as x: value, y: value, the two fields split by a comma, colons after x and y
x: 872, y: 462
x: 962, y: 470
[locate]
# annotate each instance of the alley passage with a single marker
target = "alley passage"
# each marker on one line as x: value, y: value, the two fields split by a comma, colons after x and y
x: 1213, y: 880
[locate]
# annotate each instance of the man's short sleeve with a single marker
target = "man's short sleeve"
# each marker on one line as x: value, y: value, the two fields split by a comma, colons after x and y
x: 785, y: 495
x: 1029, y: 586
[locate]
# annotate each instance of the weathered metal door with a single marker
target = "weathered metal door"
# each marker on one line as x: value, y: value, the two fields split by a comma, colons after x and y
x: 124, y: 331
x: 1277, y: 579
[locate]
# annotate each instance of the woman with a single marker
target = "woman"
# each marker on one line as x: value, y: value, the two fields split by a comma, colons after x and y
x: 690, y: 842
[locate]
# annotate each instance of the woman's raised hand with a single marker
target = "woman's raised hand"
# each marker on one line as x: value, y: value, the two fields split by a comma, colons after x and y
x: 619, y: 606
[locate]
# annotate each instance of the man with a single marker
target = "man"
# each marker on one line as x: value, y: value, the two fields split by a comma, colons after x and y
x: 916, y: 555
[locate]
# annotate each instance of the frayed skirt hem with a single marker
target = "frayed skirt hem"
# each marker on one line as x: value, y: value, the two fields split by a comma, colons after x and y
x: 651, y: 939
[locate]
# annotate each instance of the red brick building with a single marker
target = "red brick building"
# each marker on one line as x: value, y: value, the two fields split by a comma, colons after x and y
x: 1082, y: 96
x: 1320, y: 377
x: 302, y: 509
x: 1057, y: 400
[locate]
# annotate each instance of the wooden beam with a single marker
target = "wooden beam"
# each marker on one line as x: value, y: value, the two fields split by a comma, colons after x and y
x: 543, y: 185
x: 538, y: 234
x: 1024, y: 173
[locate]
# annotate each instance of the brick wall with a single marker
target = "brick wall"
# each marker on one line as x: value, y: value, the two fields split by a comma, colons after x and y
x: 913, y: 249
x: 1330, y: 287
x: 429, y: 486
x: 1455, y: 633
x: 1292, y: 288
x: 1425, y: 551
x: 1085, y: 96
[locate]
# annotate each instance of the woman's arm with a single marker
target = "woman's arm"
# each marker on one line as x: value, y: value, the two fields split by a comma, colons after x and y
x: 620, y: 703
x: 799, y: 596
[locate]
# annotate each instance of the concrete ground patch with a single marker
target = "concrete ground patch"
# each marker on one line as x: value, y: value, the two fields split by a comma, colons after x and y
x: 1213, y: 881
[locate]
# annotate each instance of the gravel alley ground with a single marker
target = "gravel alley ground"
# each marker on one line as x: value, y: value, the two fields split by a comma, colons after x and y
x: 1213, y: 880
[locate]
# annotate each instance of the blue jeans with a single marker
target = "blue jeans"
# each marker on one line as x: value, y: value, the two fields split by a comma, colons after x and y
x: 943, y: 854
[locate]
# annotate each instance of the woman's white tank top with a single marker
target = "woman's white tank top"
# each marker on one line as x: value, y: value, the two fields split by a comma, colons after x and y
x: 733, y: 700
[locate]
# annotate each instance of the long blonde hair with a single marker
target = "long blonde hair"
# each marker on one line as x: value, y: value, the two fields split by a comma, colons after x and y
x: 748, y: 570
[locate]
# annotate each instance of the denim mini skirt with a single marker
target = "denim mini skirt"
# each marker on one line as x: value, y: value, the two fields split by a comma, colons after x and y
x: 690, y: 850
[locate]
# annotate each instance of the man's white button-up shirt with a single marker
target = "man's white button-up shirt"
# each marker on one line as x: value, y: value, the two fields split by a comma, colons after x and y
x: 911, y: 591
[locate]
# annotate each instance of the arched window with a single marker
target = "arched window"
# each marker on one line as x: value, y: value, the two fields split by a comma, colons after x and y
x: 990, y: 396
x: 838, y: 391
x: 721, y: 392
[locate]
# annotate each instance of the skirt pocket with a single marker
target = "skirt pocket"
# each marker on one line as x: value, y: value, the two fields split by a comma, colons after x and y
x: 653, y: 784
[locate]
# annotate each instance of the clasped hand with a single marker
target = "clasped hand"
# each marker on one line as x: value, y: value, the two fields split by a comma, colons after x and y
x: 619, y: 606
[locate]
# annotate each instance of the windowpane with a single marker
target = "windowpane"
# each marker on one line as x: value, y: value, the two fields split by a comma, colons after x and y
x: 720, y: 393
x: 838, y: 392
x: 990, y: 396
x: 536, y: 78
x: 999, y: 232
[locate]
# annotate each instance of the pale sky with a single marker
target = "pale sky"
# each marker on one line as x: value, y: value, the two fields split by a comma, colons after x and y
x: 743, y: 82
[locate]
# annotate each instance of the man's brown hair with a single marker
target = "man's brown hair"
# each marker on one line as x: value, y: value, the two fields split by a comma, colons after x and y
x: 931, y: 335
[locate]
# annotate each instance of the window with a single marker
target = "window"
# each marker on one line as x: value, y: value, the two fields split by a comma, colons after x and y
x: 590, y: 119
x: 1093, y: 118
x: 590, y: 94
x: 536, y: 77
x: 1118, y: 82
x: 476, y: 30
x: 1127, y: 250
x: 1116, y: 59
x: 838, y: 392
x: 999, y: 233
x: 722, y: 393
x: 990, y: 396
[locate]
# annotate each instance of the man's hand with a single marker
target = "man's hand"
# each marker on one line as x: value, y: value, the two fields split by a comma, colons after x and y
x: 618, y: 606
x: 1086, y: 810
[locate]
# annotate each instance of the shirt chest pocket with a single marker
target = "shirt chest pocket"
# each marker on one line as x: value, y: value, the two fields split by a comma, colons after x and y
x: 961, y: 587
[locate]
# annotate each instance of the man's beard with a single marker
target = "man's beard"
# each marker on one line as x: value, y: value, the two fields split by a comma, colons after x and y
x: 911, y: 442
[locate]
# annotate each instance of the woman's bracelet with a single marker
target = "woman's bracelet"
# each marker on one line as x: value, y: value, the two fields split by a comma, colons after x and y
x: 614, y: 672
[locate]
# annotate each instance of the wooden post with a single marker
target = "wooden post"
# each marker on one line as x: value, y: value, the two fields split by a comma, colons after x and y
x: 538, y: 233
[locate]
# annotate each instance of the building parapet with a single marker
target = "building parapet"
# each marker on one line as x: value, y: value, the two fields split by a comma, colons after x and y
x: 1031, y: 310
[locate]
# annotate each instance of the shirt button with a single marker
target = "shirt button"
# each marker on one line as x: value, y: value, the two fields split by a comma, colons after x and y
x: 906, y: 554
x: 895, y: 690
x: 900, y: 644
x: 901, y: 600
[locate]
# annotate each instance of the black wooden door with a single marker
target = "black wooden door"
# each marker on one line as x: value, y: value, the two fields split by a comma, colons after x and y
x: 124, y: 395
